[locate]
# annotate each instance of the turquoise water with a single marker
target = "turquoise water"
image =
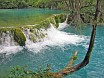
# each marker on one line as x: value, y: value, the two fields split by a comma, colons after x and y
x: 58, y: 56
x: 20, y: 17
x: 23, y: 13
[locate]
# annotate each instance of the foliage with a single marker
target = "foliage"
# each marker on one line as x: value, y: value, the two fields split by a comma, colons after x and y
x: 23, y: 72
x: 21, y: 3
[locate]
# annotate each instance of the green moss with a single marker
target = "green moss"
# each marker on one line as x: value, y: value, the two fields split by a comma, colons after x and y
x: 42, y: 35
x: 17, y: 33
x: 32, y: 37
x: 44, y: 24
x: 54, y: 19
x: 19, y: 37
x: 59, y: 18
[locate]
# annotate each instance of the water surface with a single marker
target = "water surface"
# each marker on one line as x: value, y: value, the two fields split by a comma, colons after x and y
x: 58, y: 55
x: 22, y: 17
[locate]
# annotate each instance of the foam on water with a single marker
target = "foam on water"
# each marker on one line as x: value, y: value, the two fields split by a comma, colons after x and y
x: 62, y: 25
x: 56, y: 38
x: 10, y: 50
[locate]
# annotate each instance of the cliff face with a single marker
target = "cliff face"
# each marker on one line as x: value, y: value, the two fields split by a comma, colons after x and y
x: 19, y: 35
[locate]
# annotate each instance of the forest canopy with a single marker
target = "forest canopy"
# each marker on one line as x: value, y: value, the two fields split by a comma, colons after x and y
x: 21, y: 3
x: 53, y: 4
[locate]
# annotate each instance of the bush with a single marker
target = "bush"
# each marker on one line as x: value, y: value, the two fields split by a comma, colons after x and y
x: 23, y: 72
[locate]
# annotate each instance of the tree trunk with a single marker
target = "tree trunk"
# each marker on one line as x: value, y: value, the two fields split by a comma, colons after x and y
x: 69, y: 70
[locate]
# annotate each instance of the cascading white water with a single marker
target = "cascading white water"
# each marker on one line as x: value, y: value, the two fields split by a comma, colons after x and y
x: 64, y: 24
x: 66, y: 19
x: 33, y: 37
x: 27, y: 34
x: 6, y: 39
x: 7, y: 43
x: 53, y: 37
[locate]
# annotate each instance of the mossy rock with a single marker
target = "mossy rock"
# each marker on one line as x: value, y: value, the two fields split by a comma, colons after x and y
x: 32, y: 37
x: 19, y: 37
x: 17, y: 34
x: 60, y: 18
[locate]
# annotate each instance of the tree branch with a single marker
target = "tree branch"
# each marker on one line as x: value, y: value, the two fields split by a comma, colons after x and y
x: 68, y: 69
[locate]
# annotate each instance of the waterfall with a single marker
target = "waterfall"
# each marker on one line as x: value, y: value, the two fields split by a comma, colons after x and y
x: 64, y: 24
x: 36, y: 36
x: 7, y: 43
x: 38, y: 39
x: 6, y: 39
x: 66, y: 19
x: 27, y: 34
x: 55, y: 37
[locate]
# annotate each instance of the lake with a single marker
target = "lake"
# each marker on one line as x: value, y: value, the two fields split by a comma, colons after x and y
x: 22, y: 17
x: 58, y: 49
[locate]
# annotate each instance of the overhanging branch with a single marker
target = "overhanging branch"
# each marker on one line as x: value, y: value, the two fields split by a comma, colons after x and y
x: 68, y: 69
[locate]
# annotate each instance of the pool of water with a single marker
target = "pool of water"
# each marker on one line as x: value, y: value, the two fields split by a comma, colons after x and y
x: 58, y: 55
x: 21, y: 17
